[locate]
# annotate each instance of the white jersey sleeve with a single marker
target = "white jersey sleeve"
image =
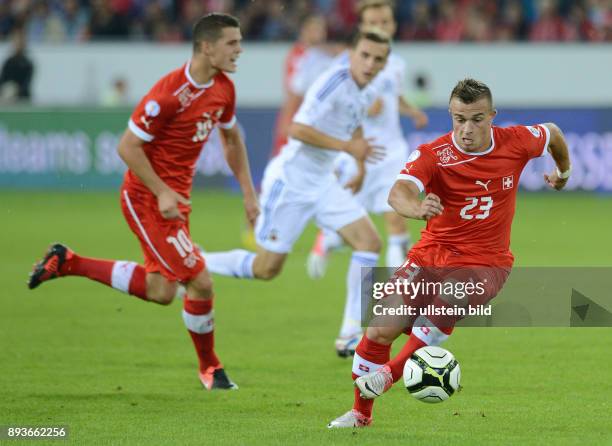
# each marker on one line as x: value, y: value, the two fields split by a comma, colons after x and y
x: 320, y: 98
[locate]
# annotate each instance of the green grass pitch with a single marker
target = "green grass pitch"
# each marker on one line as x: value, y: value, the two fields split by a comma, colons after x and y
x: 120, y: 371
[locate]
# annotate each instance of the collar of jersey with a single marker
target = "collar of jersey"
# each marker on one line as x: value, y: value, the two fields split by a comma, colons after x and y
x: 489, y: 150
x: 193, y: 82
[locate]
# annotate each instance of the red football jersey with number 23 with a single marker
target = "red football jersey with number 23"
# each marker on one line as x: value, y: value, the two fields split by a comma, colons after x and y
x: 477, y: 190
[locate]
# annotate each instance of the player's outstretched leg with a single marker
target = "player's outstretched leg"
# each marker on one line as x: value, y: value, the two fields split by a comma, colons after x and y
x: 237, y: 263
x: 325, y: 243
x: 61, y: 261
x: 263, y: 265
x: 198, y: 316
x: 361, y: 235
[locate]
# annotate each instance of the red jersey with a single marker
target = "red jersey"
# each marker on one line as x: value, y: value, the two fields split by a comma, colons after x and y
x: 174, y: 119
x: 477, y: 190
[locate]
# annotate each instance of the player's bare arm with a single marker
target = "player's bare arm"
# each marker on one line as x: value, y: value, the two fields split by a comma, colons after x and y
x: 355, y: 183
x: 131, y: 152
x: 419, y: 118
x: 558, y: 149
x: 404, y: 198
x: 238, y: 161
x: 358, y: 147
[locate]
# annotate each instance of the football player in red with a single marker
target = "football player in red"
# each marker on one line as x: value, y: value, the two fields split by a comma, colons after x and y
x: 163, y: 140
x: 469, y: 178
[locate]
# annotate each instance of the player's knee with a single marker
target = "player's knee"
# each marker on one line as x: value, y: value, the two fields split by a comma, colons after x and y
x: 200, y: 287
x: 268, y: 271
x: 162, y: 295
x: 382, y: 335
x: 370, y: 243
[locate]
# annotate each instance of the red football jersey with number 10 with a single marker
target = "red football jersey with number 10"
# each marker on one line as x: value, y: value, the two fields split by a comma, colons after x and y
x: 175, y: 119
x: 477, y: 190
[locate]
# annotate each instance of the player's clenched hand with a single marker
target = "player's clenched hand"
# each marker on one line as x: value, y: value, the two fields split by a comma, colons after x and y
x: 554, y: 181
x: 362, y: 149
x: 168, y: 201
x: 251, y: 209
x: 430, y: 207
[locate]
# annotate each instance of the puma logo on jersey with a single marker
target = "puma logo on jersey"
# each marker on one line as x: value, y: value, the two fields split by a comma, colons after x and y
x: 485, y: 185
x: 147, y: 123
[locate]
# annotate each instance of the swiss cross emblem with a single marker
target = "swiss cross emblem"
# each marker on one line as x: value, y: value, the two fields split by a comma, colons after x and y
x: 508, y: 182
x: 364, y: 368
x: 446, y: 155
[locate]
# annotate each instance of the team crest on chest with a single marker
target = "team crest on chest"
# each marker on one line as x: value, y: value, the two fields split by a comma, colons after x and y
x: 445, y: 155
x: 186, y: 97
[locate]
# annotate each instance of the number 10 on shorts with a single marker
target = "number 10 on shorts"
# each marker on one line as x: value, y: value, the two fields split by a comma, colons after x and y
x: 181, y: 243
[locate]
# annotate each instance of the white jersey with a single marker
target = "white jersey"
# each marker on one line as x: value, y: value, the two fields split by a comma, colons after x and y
x: 386, y: 130
x: 333, y: 105
x: 313, y: 62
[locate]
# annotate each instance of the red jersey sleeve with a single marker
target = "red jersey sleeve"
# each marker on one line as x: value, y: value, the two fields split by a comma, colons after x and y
x: 419, y: 168
x: 533, y: 139
x: 153, y: 112
x: 228, y: 117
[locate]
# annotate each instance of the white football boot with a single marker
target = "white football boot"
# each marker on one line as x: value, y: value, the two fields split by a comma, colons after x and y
x: 376, y: 383
x: 353, y: 418
x: 346, y: 345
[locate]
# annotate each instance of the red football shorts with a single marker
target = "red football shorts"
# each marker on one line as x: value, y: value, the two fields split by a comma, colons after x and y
x: 472, y: 285
x: 166, y: 244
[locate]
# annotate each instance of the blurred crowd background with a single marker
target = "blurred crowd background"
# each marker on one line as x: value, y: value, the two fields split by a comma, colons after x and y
x: 278, y: 20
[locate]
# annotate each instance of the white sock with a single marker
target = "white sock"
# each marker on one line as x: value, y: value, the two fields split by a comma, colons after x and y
x: 237, y: 263
x: 397, y: 247
x: 331, y: 240
x: 351, y: 322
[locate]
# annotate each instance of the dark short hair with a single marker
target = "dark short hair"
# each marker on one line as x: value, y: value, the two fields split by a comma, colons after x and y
x: 374, y: 35
x: 209, y: 28
x: 469, y: 91
x: 367, y: 4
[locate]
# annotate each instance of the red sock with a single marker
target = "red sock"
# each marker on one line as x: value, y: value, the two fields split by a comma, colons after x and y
x: 198, y: 316
x: 397, y: 363
x: 375, y: 353
x: 412, y: 345
x: 128, y: 277
x: 319, y: 245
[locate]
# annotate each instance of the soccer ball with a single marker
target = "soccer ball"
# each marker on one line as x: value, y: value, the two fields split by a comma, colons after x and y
x: 432, y: 374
